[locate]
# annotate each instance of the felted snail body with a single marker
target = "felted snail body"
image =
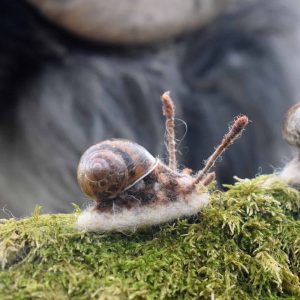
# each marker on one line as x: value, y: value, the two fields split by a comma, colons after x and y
x: 132, y: 189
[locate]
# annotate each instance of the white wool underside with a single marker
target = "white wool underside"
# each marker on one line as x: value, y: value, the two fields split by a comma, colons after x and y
x: 131, y: 219
x: 291, y: 172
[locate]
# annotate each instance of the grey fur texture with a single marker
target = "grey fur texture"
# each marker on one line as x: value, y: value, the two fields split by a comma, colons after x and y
x: 61, y: 94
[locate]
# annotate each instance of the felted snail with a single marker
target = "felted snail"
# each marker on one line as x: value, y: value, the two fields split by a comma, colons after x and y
x: 132, y: 189
x: 291, y: 126
x: 291, y: 133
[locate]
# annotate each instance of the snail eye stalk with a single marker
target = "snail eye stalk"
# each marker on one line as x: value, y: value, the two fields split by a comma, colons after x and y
x: 233, y: 133
x: 169, y: 113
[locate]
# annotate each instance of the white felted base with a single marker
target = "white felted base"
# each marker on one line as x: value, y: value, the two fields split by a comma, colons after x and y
x: 291, y: 172
x: 130, y: 220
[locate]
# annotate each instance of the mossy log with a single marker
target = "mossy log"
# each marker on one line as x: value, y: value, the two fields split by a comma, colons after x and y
x: 245, y: 245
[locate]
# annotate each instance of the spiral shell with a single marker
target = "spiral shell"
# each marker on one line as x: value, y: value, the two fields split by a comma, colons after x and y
x: 107, y: 169
x: 291, y: 127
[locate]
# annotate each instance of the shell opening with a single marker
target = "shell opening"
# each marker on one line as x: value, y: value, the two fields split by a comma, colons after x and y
x: 143, y: 176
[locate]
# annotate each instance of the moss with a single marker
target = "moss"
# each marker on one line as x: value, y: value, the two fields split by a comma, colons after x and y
x: 245, y: 245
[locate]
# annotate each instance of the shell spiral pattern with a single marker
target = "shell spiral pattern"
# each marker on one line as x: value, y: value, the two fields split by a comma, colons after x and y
x: 108, y: 168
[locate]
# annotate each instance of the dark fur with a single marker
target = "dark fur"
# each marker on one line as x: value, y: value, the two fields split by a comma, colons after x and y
x: 60, y: 94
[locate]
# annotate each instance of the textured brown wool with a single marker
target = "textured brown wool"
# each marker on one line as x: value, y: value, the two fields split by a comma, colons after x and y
x: 209, y: 178
x: 169, y: 113
x: 170, y: 188
x: 234, y: 132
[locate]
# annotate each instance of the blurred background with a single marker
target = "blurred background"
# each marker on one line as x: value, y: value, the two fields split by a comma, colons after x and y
x: 73, y: 73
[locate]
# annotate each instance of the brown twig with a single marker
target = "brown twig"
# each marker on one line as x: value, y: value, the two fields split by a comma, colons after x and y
x: 234, y: 132
x: 169, y: 113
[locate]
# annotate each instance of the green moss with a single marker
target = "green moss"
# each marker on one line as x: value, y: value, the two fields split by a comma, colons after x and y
x: 246, y: 245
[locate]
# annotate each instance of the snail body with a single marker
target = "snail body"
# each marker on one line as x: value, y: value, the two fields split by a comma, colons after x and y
x: 133, y: 189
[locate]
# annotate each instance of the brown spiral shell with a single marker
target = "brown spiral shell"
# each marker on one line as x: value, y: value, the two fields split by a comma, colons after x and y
x: 107, y: 169
x: 291, y: 126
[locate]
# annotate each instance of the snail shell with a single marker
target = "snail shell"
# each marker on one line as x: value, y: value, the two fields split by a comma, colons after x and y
x: 291, y: 133
x: 291, y: 127
x: 109, y: 168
